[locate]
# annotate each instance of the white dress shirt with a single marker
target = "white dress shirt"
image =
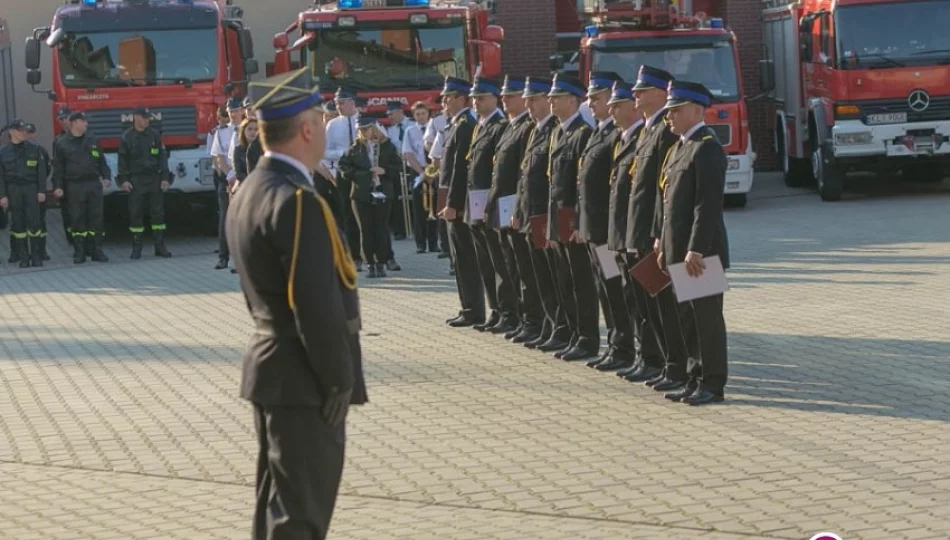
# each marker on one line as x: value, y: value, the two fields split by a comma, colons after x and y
x: 587, y: 114
x: 685, y: 137
x: 393, y: 132
x: 341, y: 132
x: 221, y: 145
x: 653, y: 118
x: 413, y: 144
x: 432, y: 130
x: 627, y: 133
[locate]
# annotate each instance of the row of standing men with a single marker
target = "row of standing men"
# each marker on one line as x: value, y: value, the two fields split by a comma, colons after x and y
x: 646, y: 181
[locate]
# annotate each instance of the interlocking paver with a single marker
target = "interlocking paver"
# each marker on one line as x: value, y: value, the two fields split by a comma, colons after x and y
x: 119, y: 415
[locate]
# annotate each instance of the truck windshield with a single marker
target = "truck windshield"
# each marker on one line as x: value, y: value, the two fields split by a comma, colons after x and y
x: 141, y: 58
x: 892, y: 34
x: 389, y: 56
x: 712, y: 64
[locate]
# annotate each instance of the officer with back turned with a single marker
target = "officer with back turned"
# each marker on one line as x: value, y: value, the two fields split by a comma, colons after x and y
x: 302, y: 367
x: 79, y: 167
x: 22, y: 190
x: 143, y: 174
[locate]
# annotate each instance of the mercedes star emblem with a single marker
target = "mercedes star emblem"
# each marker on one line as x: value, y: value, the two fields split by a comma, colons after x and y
x: 918, y: 100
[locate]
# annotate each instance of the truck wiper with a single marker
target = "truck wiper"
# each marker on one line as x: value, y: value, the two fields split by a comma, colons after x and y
x: 184, y: 81
x: 106, y: 81
x: 885, y: 60
x: 931, y: 51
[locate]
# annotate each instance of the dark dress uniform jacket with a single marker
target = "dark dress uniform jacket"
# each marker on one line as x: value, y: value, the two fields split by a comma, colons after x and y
x: 692, y: 199
x: 454, y: 167
x: 141, y: 153
x: 593, y: 184
x: 355, y: 166
x: 566, y: 150
x: 652, y: 147
x: 481, y: 154
x: 78, y: 158
x: 507, y: 164
x: 624, y: 156
x: 307, y: 320
x: 533, y: 185
x: 24, y: 163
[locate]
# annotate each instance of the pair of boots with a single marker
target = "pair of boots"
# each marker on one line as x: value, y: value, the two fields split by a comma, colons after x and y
x: 27, y: 251
x: 376, y: 271
x: 158, y: 238
x: 90, y: 246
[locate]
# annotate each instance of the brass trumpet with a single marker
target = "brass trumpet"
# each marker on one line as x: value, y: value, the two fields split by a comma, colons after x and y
x: 429, y: 177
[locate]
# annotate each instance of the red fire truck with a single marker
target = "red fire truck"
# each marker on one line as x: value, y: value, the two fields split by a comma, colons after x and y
x: 180, y: 58
x: 390, y: 50
x: 627, y: 33
x: 859, y: 85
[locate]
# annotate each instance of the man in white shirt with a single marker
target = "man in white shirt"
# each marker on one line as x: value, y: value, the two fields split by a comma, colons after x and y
x: 423, y: 200
x: 434, y: 139
x: 225, y: 178
x: 398, y: 124
x: 341, y: 133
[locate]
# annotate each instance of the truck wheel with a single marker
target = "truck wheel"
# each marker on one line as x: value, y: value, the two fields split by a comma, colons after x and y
x: 924, y: 172
x: 735, y: 200
x: 797, y: 171
x: 829, y: 179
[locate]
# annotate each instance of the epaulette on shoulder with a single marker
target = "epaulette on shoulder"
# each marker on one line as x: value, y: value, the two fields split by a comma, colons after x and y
x: 708, y: 137
x: 503, y: 121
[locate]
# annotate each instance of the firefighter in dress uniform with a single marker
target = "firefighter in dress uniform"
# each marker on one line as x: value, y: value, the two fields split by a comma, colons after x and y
x: 22, y: 191
x: 302, y: 368
x: 489, y: 128
x: 570, y: 263
x: 656, y: 316
x: 509, y: 153
x: 593, y: 202
x: 531, y: 207
x: 79, y: 167
x: 143, y: 174
x: 453, y: 178
x: 692, y: 228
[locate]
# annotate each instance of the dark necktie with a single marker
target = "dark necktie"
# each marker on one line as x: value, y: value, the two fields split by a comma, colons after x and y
x: 349, y: 124
x: 402, y: 131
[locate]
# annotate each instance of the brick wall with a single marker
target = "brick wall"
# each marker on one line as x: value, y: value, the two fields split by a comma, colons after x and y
x: 529, y: 35
x: 744, y: 18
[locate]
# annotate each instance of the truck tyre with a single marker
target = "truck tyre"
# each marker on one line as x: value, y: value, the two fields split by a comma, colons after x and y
x: 797, y: 171
x: 735, y: 200
x: 924, y: 172
x: 828, y: 177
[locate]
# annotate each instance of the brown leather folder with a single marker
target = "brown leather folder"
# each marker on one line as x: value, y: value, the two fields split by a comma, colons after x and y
x: 539, y: 230
x: 442, y: 198
x: 649, y: 274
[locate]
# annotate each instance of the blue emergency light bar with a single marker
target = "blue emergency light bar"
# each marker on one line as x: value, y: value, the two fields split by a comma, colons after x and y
x: 356, y: 4
x: 715, y: 23
x: 89, y: 2
x: 590, y: 31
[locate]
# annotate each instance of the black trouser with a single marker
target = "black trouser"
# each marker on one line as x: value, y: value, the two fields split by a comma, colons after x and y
x: 505, y: 278
x: 646, y: 319
x: 616, y: 315
x: 705, y: 336
x: 548, y: 267
x: 532, y: 308
x: 425, y: 230
x: 224, y: 201
x: 486, y: 268
x: 576, y: 279
x: 44, y: 207
x: 64, y: 214
x: 397, y: 214
x: 470, y: 289
x: 24, y: 210
x: 351, y: 227
x: 373, y: 219
x: 444, y: 244
x: 677, y: 331
x: 147, y: 189
x: 85, y: 208
x: 299, y: 467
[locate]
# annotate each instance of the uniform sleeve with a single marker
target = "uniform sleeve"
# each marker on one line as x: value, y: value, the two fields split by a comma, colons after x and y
x: 438, y: 145
x: 123, y: 159
x: 216, y: 150
x: 710, y: 176
x: 232, y: 174
x: 163, y: 162
x: 240, y: 162
x: 314, y: 290
x: 458, y: 184
x: 392, y: 163
x: 104, y: 171
x: 3, y: 180
x: 59, y: 163
x: 42, y: 169
x: 353, y: 171
x: 337, y: 139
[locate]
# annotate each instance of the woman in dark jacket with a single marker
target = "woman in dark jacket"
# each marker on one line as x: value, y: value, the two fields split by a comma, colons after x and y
x: 372, y: 165
x: 247, y: 134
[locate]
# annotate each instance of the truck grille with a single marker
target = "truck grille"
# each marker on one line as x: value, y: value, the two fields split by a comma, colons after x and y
x: 723, y: 133
x: 171, y: 121
x: 939, y: 108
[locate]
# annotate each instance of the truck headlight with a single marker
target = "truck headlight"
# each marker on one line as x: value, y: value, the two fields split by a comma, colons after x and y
x: 850, y: 139
x: 733, y: 164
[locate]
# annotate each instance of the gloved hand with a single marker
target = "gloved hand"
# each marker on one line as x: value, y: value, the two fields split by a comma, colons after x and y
x: 335, y: 406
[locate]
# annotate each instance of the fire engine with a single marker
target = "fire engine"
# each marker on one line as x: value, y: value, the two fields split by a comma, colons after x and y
x: 390, y: 50
x: 859, y: 85
x: 625, y: 34
x: 180, y: 58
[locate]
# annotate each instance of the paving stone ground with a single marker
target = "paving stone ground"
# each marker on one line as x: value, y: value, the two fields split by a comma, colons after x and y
x: 119, y: 415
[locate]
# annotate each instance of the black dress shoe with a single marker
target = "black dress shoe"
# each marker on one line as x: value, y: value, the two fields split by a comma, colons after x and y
x: 703, y: 397
x: 420, y: 250
x: 614, y: 363
x: 645, y: 373
x: 450, y: 319
x: 463, y: 322
x: 393, y: 266
x: 505, y: 325
x: 492, y: 321
x: 222, y: 264
x: 444, y: 255
x: 659, y: 378
x: 564, y: 350
x: 634, y: 368
x: 514, y: 331
x: 577, y: 353
x: 669, y: 385
x: 359, y: 266
x: 552, y: 345
x: 527, y: 335
x: 608, y: 352
x: 687, y: 391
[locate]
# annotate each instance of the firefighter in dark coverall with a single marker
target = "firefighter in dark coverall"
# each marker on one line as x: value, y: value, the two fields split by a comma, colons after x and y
x: 79, y: 166
x: 22, y: 189
x: 143, y: 174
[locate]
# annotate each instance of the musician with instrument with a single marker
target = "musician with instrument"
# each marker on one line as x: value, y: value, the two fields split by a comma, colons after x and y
x: 372, y: 166
x: 424, y: 220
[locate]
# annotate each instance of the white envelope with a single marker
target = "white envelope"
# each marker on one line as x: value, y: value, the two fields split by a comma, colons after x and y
x: 608, y: 262
x: 506, y: 209
x: 477, y: 201
x: 712, y: 282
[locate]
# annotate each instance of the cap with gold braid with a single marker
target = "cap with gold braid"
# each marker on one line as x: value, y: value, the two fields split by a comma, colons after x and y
x: 284, y: 96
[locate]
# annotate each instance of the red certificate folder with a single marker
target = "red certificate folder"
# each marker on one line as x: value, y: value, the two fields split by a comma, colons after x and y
x: 539, y: 230
x: 565, y: 223
x: 647, y: 272
x: 442, y: 199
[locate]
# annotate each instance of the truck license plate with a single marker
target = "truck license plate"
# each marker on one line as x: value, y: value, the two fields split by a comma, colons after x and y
x: 887, y: 118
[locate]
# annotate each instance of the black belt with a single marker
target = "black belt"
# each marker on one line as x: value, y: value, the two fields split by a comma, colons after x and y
x: 267, y: 328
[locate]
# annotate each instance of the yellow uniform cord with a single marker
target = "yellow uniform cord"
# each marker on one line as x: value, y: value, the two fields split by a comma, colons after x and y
x: 663, y: 168
x: 296, y: 251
